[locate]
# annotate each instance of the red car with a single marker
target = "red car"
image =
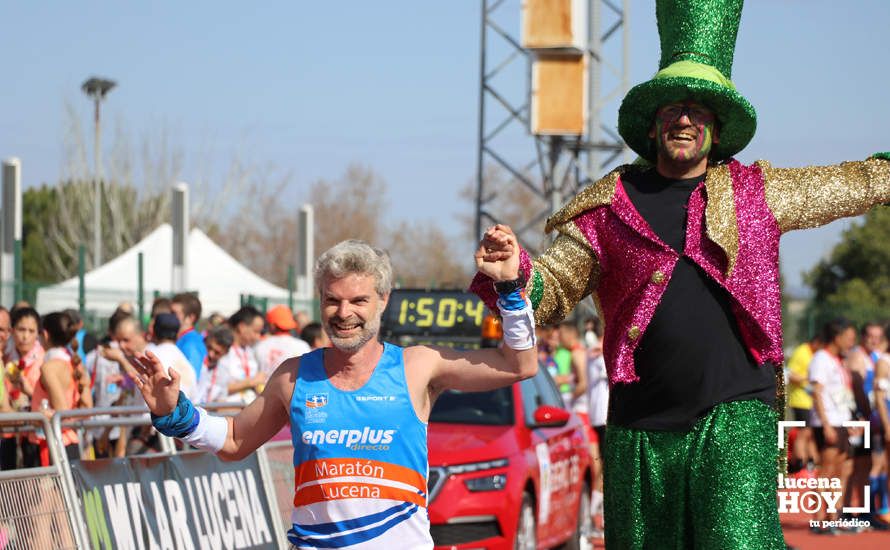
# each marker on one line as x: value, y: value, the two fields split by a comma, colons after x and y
x: 509, y: 468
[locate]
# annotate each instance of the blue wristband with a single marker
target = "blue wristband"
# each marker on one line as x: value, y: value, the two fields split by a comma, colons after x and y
x: 513, y: 301
x: 179, y: 423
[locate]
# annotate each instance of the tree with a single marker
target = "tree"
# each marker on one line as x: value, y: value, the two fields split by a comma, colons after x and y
x: 262, y: 232
x: 423, y: 256
x: 350, y: 207
x: 354, y: 206
x: 242, y: 209
x: 38, y: 206
x: 854, y: 281
x: 136, y: 197
x: 57, y: 220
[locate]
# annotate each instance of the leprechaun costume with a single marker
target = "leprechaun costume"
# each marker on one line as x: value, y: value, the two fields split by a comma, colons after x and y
x: 685, y: 274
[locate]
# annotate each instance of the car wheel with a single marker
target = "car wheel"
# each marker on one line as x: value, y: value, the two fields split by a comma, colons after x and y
x: 527, y: 527
x: 581, y: 537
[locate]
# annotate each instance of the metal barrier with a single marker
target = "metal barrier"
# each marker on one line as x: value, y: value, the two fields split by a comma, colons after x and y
x: 41, y: 507
x: 37, y: 507
x: 269, y: 470
x: 279, y: 461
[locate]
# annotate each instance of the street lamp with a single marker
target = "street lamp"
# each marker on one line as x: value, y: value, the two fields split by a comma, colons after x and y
x: 96, y: 88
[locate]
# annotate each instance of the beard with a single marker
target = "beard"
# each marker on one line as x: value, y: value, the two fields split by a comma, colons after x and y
x: 368, y: 330
x: 702, y: 143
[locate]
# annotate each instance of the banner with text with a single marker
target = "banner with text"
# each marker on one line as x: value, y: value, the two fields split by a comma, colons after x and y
x: 190, y: 501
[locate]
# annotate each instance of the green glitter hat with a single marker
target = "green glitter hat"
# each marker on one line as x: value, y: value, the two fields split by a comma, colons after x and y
x: 697, y: 45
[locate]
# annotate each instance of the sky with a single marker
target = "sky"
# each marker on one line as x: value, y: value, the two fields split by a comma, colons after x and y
x: 306, y: 88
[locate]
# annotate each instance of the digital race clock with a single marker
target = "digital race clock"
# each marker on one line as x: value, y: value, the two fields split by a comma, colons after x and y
x: 436, y: 313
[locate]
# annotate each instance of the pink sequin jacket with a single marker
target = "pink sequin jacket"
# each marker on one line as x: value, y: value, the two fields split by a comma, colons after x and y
x: 734, y: 220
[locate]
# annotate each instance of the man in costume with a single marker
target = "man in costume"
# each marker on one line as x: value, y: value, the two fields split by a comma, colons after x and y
x: 357, y: 411
x: 681, y: 257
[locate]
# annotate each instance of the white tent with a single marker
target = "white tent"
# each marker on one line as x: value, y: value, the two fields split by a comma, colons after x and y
x: 217, y: 277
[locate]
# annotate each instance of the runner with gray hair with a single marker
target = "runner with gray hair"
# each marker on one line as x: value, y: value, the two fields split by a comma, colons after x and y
x: 355, y: 256
x: 358, y: 410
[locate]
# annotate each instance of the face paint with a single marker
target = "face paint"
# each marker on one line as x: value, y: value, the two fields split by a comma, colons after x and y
x: 667, y: 121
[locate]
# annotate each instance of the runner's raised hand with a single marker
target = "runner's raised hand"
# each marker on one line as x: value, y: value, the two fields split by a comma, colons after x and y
x: 498, y: 254
x: 159, y: 385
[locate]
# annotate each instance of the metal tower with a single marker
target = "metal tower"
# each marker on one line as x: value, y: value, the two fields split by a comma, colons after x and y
x: 522, y: 178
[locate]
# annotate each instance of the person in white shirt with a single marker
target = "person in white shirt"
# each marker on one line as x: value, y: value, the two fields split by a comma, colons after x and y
x: 279, y: 345
x: 213, y: 383
x: 833, y: 400
x: 130, y: 340
x: 107, y: 375
x: 166, y: 331
x: 245, y: 377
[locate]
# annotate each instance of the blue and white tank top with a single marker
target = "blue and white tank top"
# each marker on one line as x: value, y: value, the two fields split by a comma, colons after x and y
x: 360, y: 460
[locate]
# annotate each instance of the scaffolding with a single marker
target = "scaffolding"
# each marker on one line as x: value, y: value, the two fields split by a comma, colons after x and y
x: 522, y: 177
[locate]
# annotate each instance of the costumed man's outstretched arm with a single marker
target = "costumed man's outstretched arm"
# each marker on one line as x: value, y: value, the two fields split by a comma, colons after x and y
x: 801, y: 198
x: 561, y: 277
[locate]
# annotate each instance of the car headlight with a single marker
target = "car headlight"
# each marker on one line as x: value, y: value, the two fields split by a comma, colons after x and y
x: 494, y: 482
x: 477, y: 466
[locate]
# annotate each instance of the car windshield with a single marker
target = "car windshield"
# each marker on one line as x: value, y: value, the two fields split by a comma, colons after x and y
x: 490, y: 408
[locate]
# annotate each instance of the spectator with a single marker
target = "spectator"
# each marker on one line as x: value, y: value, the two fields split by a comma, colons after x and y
x: 315, y: 336
x: 245, y: 378
x: 832, y: 403
x: 575, y: 356
x: 63, y: 385
x: 160, y: 305
x: 865, y: 360
x: 280, y: 345
x: 187, y: 308
x: 880, y: 435
x: 861, y: 369
x: 26, y: 357
x: 85, y: 342
x: 216, y: 319
x: 166, y: 330
x: 131, y: 341
x: 570, y: 338
x: 561, y: 367
x: 597, y: 409
x: 213, y: 384
x: 260, y: 329
x: 592, y: 327
x: 108, y: 379
x: 547, y: 343
x: 800, y: 401
x: 5, y: 331
x: 303, y: 320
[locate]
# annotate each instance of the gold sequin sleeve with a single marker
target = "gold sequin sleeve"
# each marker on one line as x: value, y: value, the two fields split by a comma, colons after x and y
x: 563, y: 275
x: 809, y: 197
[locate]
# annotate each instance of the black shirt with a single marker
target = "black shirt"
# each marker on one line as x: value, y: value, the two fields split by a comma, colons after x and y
x: 692, y: 355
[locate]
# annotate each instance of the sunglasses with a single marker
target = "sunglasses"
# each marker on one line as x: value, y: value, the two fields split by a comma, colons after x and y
x: 696, y: 114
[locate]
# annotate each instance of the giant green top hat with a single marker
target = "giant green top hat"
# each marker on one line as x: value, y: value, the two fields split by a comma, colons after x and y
x: 697, y: 44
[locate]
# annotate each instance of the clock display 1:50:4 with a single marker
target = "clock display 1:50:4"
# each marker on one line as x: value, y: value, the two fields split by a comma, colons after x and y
x: 424, y: 312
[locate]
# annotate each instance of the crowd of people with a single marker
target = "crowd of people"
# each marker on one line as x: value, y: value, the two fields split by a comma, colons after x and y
x: 574, y: 359
x: 832, y: 380
x: 51, y: 363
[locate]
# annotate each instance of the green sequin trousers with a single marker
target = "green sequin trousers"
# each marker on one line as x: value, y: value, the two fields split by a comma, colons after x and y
x: 712, y: 487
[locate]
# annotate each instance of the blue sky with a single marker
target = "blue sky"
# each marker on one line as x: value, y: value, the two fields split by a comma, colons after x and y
x: 309, y: 87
